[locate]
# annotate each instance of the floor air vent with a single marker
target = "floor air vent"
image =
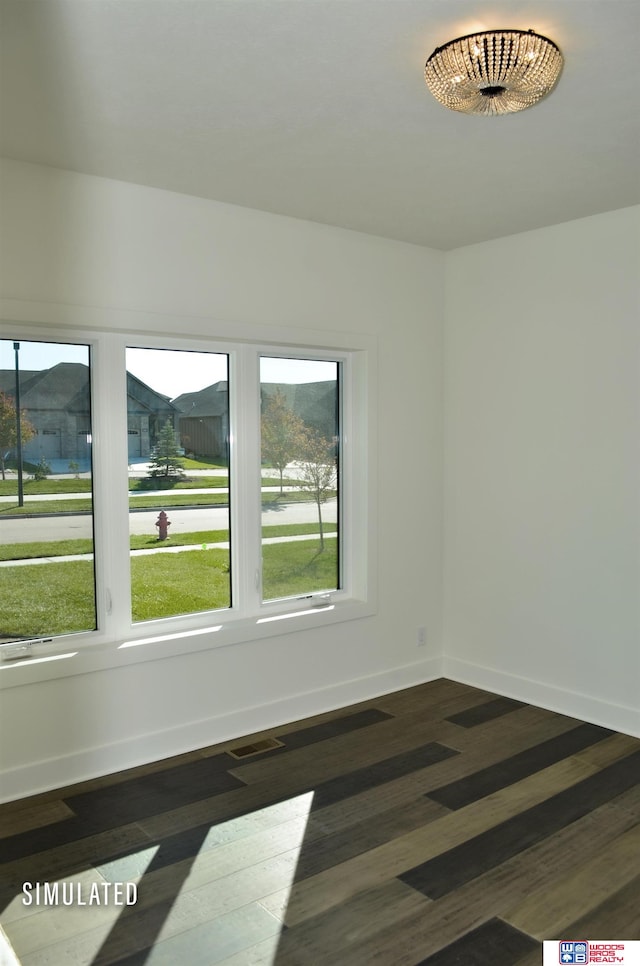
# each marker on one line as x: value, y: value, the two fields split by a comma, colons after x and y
x: 257, y: 748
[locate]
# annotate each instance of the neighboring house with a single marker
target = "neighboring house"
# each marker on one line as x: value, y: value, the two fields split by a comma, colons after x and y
x: 147, y: 412
x: 314, y: 402
x: 204, y: 420
x: 56, y: 402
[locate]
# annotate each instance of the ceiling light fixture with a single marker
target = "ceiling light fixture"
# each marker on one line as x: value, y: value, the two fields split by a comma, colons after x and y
x: 494, y: 71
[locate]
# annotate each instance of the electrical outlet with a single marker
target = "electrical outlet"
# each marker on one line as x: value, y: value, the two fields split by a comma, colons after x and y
x: 421, y: 638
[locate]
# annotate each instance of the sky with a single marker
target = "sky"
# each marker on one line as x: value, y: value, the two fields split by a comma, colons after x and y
x: 167, y: 371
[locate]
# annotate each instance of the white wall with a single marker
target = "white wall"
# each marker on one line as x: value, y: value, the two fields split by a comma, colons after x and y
x: 542, y: 467
x: 541, y: 411
x: 69, y: 240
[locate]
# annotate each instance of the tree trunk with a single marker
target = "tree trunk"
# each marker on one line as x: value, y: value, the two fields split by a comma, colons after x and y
x: 320, y: 525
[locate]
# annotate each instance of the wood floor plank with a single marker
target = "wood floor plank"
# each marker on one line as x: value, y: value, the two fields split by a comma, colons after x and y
x: 209, y: 890
x: 141, y: 797
x: 338, y: 755
x: 513, y: 768
x: 264, y: 953
x: 362, y: 779
x: 329, y: 888
x: 381, y: 908
x: 316, y: 834
x: 335, y: 727
x: 445, y: 920
x: 290, y: 782
x: 17, y: 910
x: 125, y: 803
x: 531, y: 959
x: 485, y: 712
x: 210, y: 942
x: 531, y: 729
x: 7, y: 954
x: 36, y: 816
x: 494, y: 943
x: 53, y: 924
x: 436, y: 699
x: 630, y: 800
x: 550, y: 911
x: 447, y: 871
x: 257, y: 798
x: 618, y: 915
x: 159, y: 913
x: 71, y: 857
x: 607, y: 751
x: 527, y: 727
x: 518, y: 722
x: 330, y: 850
x: 366, y: 806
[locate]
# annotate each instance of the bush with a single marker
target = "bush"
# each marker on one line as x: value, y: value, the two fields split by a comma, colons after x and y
x: 42, y: 470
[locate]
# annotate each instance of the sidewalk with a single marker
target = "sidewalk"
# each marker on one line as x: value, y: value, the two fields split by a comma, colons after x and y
x: 165, y: 548
x: 45, y: 497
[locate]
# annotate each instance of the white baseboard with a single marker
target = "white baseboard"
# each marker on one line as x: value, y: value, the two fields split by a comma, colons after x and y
x: 571, y: 703
x: 83, y: 764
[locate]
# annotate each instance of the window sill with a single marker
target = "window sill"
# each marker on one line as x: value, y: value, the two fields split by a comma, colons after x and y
x: 61, y: 659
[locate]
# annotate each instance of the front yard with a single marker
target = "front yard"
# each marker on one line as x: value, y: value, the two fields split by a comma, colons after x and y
x: 43, y: 600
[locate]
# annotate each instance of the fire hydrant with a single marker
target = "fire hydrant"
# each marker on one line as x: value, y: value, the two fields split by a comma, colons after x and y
x: 163, y: 524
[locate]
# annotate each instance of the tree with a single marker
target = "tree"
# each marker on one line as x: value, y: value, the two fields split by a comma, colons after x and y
x: 282, y: 433
x: 42, y: 470
x: 318, y: 471
x: 8, y: 429
x: 165, y: 458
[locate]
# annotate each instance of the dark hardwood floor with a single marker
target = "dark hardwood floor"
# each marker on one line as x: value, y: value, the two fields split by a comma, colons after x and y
x: 440, y: 825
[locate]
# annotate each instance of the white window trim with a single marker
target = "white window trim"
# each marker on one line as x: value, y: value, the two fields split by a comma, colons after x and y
x: 118, y: 643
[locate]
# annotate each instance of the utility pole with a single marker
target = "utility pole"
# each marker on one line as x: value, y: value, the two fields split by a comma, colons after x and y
x: 16, y: 349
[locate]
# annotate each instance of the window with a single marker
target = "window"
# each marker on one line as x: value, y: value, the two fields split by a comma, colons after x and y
x: 300, y: 447
x: 47, y: 574
x: 174, y: 488
x: 178, y: 439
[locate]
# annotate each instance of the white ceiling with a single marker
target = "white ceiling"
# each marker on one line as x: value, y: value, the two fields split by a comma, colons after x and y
x: 318, y: 109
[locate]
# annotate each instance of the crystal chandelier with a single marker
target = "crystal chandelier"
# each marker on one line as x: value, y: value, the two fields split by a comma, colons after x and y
x: 493, y: 72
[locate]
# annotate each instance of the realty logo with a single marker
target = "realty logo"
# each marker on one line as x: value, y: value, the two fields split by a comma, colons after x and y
x: 572, y: 953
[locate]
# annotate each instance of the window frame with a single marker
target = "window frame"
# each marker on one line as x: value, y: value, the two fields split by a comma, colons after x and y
x: 117, y: 640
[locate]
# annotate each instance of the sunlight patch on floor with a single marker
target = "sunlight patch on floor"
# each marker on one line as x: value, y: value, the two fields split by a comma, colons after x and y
x: 33, y: 928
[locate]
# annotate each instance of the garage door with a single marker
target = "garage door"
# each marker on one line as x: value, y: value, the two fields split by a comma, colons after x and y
x: 134, y: 443
x: 45, y: 444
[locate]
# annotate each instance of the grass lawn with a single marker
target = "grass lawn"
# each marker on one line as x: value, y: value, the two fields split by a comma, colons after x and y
x: 289, y: 569
x: 83, y: 485
x: 202, y: 464
x: 62, y: 548
x: 168, y: 584
x: 142, y: 502
x: 36, y: 487
x: 33, y: 507
x: 48, y: 599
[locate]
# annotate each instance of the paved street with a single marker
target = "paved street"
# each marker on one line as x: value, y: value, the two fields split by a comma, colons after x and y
x: 31, y: 529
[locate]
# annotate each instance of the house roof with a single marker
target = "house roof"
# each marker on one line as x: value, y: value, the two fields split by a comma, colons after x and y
x: 8, y: 379
x: 211, y: 401
x: 66, y: 386
x: 63, y: 386
x: 146, y: 398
